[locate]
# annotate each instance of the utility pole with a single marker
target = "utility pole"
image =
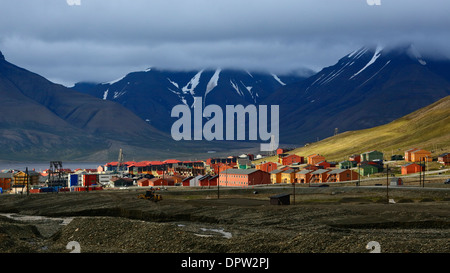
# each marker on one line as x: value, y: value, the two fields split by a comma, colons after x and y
x: 387, y: 184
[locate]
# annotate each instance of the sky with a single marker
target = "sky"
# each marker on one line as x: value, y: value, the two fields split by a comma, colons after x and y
x: 69, y: 41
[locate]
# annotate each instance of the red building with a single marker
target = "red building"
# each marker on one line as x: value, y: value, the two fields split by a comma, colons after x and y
x: 444, y: 159
x: 89, y: 179
x: 356, y: 158
x: 290, y: 159
x: 267, y: 167
x: 243, y: 177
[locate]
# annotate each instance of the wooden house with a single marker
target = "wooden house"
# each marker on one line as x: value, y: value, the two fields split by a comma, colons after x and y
x: 355, y: 158
x: 348, y: 164
x: 21, y: 180
x: 319, y: 176
x: 288, y: 176
x: 421, y: 155
x: 408, y: 154
x: 243, y: 178
x: 6, y: 180
x: 314, y: 159
x: 372, y: 156
x: 290, y: 159
x: 444, y: 159
x: 368, y: 169
x: 340, y: 175
x: 303, y: 176
x: 412, y: 168
x: 267, y: 167
x: 275, y: 176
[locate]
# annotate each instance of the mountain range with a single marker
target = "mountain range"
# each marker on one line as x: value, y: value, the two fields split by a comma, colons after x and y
x: 151, y: 94
x: 41, y: 120
x: 366, y: 88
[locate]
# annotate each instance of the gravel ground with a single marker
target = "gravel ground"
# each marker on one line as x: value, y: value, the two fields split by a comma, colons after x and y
x: 322, y: 220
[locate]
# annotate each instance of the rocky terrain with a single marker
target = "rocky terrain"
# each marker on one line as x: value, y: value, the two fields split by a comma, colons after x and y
x: 335, y: 219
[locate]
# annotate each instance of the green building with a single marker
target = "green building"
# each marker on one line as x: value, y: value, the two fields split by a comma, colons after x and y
x: 367, y: 169
x: 347, y: 164
x: 371, y: 156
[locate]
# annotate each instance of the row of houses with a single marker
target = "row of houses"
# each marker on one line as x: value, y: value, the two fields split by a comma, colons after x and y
x: 312, y: 176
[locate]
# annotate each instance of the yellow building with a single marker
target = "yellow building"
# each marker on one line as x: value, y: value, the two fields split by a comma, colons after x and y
x: 275, y: 176
x: 21, y: 180
x: 288, y: 176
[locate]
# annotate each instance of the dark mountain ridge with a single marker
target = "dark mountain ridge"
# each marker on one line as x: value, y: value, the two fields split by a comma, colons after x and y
x: 368, y: 87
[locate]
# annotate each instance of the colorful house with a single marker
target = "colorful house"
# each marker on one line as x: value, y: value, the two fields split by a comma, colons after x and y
x: 275, y: 176
x: 290, y: 159
x: 303, y: 176
x: 372, y: 156
x: 444, y: 159
x: 6, y: 181
x: 341, y: 175
x: 267, y: 167
x: 288, y: 176
x: 421, y: 155
x: 368, y: 169
x: 348, y: 164
x: 355, y: 158
x: 408, y: 154
x: 314, y: 159
x: 319, y: 176
x: 412, y: 168
x: 243, y: 178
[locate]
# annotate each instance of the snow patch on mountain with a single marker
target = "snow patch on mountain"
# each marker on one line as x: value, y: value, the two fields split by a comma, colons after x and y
x: 213, y: 81
x: 105, y: 95
x: 174, y: 83
x: 192, y: 84
x: 375, y: 56
x: 236, y: 87
x: 278, y: 79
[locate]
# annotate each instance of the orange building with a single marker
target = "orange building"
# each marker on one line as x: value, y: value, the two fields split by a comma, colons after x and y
x: 421, y: 155
x: 340, y: 175
x: 319, y: 176
x: 303, y: 176
x: 408, y: 154
x: 315, y: 158
x: 412, y: 168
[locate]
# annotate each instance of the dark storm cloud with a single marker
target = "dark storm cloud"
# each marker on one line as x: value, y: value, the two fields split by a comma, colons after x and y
x: 100, y: 40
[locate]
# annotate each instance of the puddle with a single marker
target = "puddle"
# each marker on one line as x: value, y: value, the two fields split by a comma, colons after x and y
x: 204, y: 232
x: 19, y: 217
x: 225, y: 234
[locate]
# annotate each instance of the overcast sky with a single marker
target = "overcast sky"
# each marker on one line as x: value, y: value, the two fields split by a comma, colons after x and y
x: 101, y: 40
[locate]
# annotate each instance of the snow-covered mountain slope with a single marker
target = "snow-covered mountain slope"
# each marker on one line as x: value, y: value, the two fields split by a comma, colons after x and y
x: 368, y: 87
x: 152, y: 93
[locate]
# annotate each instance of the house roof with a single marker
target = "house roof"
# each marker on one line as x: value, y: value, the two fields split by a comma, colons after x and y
x: 305, y: 171
x: 336, y: 171
x: 320, y: 171
x: 290, y: 171
x: 276, y: 171
x: 239, y: 171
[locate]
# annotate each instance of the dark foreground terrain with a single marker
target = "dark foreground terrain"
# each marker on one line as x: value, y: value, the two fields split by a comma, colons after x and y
x: 319, y: 220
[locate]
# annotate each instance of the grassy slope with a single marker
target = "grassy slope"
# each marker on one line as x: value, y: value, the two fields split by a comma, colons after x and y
x: 427, y: 128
